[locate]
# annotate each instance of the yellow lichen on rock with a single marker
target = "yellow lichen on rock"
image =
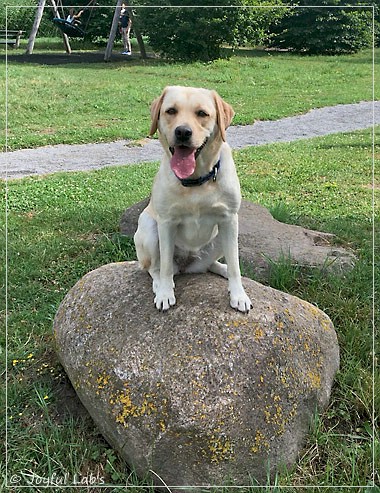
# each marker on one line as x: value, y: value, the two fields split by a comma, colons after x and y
x: 102, y: 380
x: 127, y: 409
x: 325, y: 323
x: 321, y: 317
x: 260, y: 441
x: 259, y: 333
x: 314, y: 379
x: 220, y: 448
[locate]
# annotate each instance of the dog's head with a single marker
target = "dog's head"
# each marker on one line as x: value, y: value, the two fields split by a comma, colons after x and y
x: 188, y: 119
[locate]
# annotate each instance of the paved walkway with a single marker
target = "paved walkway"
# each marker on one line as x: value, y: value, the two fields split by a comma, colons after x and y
x: 315, y: 123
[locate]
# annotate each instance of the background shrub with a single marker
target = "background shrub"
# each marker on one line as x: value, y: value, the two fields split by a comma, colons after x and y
x: 255, y: 19
x: 192, y: 33
x: 323, y: 30
x: 19, y: 15
x: 189, y: 33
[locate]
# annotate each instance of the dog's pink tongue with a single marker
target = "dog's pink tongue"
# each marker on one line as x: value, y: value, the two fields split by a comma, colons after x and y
x: 183, y: 162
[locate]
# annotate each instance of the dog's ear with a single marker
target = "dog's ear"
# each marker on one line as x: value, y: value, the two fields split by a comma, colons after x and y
x: 155, y: 112
x: 224, y: 114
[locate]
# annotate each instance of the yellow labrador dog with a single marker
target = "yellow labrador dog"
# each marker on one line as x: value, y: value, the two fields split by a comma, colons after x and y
x: 193, y: 211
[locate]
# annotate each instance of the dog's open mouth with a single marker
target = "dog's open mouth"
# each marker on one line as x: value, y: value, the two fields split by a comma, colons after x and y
x: 183, y: 160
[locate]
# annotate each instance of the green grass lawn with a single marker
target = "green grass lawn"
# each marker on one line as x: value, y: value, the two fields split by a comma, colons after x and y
x: 74, y: 103
x: 62, y: 226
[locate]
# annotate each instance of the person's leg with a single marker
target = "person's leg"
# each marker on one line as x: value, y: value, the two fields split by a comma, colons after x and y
x: 124, y: 38
x: 128, y: 40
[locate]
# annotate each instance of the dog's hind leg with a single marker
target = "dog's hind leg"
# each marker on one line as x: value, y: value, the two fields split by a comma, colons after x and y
x: 208, y: 261
x: 219, y: 268
x: 203, y: 265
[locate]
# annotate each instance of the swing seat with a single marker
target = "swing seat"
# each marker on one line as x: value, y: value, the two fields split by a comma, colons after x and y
x: 68, y: 28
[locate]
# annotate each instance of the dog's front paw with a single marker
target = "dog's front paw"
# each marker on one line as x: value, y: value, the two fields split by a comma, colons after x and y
x: 240, y: 301
x: 164, y: 299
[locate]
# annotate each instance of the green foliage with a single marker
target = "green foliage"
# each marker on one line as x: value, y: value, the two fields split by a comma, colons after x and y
x: 376, y: 4
x: 179, y: 32
x: 189, y: 33
x: 17, y: 15
x: 324, y: 29
x: 255, y: 19
x: 198, y: 33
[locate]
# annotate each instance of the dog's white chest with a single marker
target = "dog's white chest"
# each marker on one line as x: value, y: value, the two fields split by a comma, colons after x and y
x: 193, y: 233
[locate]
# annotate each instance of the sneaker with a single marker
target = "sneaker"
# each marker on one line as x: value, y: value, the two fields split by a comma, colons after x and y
x: 125, y: 52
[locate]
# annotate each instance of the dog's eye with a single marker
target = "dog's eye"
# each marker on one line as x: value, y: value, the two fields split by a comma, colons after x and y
x: 171, y: 111
x: 202, y: 113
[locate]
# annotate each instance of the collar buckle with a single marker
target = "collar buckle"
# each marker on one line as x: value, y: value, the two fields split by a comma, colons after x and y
x: 188, y: 182
x: 216, y: 169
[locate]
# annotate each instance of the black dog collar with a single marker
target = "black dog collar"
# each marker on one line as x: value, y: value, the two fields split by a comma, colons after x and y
x: 196, y: 182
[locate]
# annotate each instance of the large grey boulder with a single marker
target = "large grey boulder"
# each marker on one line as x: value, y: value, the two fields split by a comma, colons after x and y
x: 264, y: 240
x: 201, y: 395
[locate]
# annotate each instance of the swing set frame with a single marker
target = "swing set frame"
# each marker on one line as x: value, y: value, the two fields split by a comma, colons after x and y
x: 57, y: 4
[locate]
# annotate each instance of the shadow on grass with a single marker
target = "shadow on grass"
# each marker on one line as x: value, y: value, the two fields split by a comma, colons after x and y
x: 78, y: 59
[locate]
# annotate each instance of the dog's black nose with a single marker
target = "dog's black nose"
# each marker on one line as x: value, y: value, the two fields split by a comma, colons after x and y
x: 183, y: 133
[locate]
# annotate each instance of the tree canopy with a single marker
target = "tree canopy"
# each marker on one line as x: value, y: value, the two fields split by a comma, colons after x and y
x: 177, y: 31
x: 329, y: 28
